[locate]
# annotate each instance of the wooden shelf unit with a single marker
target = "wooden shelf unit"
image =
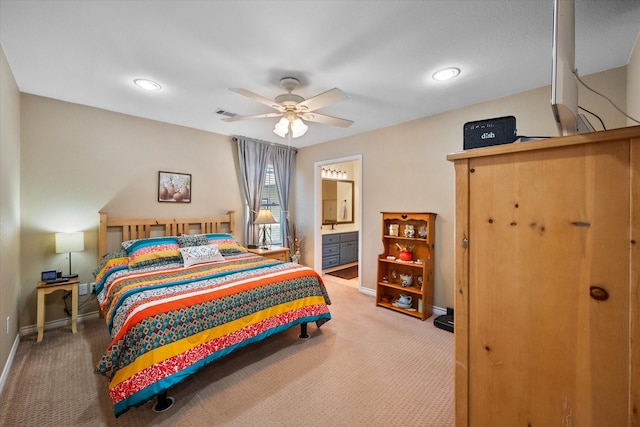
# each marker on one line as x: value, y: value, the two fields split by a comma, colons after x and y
x: 389, y: 285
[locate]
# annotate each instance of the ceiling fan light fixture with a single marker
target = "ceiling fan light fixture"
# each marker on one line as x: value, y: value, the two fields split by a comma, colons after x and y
x: 282, y: 128
x: 294, y: 110
x: 446, y: 74
x: 298, y: 128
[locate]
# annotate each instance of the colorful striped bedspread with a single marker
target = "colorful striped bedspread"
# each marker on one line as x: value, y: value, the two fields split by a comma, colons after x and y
x: 168, y: 322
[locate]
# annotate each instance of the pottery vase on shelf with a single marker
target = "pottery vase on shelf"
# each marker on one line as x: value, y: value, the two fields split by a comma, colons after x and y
x: 405, y: 255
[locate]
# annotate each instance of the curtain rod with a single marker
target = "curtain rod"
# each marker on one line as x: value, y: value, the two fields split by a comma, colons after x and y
x: 235, y: 138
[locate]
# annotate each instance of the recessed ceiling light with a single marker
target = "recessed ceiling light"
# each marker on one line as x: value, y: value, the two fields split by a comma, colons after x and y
x: 147, y: 84
x: 446, y: 74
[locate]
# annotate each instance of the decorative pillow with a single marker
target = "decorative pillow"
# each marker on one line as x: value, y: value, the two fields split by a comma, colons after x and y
x: 227, y: 245
x: 152, y: 251
x: 192, y: 240
x: 193, y: 255
x: 112, y: 261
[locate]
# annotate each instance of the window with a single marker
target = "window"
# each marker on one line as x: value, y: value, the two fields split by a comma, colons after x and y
x: 271, y: 201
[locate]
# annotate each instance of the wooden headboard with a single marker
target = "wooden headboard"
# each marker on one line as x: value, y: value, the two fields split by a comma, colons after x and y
x: 140, y: 228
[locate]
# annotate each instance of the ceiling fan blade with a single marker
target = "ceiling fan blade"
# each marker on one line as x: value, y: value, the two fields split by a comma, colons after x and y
x: 257, y: 116
x: 326, y: 120
x: 326, y: 98
x: 261, y: 99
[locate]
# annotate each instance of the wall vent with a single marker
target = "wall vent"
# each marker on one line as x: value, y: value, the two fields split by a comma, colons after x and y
x: 225, y: 113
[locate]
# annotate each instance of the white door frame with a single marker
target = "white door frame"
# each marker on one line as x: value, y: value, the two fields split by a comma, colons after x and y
x: 317, y: 208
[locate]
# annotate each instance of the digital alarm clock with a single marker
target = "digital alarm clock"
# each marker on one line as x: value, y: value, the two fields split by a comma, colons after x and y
x: 48, y: 275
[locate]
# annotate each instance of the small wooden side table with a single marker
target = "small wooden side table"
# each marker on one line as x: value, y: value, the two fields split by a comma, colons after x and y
x: 46, y: 289
x: 274, y: 252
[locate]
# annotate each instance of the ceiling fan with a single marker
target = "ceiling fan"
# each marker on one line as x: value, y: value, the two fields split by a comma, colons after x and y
x: 294, y: 109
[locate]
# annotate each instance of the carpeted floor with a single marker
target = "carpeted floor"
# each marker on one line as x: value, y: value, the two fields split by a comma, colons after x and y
x: 368, y: 366
x: 346, y: 273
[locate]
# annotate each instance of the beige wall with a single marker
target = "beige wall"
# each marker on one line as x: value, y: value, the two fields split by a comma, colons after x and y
x: 404, y: 168
x: 78, y: 160
x: 9, y: 209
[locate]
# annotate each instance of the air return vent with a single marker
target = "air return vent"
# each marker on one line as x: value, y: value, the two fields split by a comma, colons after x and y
x: 225, y: 113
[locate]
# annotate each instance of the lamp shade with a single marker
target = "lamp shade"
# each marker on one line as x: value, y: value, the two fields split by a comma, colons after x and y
x: 265, y: 217
x: 69, y: 242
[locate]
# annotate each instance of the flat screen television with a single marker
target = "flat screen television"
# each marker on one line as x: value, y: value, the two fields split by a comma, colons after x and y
x: 564, y: 84
x: 564, y: 88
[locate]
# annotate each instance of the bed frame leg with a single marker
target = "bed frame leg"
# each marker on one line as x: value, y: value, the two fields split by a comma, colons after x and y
x: 163, y: 403
x: 303, y: 331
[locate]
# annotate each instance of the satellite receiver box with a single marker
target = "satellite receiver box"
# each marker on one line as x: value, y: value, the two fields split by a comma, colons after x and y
x: 484, y: 133
x: 445, y: 321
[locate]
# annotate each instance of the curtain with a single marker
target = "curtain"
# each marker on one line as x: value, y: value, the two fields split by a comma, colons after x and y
x: 253, y: 157
x: 283, y: 159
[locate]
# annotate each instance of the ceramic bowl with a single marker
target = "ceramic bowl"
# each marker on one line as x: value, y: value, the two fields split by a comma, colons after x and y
x: 401, y: 305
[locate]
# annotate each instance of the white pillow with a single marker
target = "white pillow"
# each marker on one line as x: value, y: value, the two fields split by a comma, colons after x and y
x: 193, y: 255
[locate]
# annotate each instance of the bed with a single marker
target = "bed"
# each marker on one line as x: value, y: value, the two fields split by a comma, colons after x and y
x: 177, y: 295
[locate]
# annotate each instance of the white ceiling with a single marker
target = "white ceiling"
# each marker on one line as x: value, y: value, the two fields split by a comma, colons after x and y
x: 380, y: 53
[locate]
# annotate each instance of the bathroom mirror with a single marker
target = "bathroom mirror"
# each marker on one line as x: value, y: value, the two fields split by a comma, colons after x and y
x: 337, y: 201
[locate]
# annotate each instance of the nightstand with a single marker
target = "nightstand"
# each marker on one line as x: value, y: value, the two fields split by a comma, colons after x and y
x: 45, y: 289
x: 274, y: 252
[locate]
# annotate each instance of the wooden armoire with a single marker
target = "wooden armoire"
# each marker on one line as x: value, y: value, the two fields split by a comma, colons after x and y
x: 547, y: 282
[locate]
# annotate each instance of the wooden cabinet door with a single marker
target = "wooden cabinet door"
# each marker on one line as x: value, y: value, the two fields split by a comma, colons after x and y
x: 548, y: 287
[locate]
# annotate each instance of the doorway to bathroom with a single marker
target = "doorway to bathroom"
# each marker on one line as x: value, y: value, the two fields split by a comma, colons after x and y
x: 338, y: 213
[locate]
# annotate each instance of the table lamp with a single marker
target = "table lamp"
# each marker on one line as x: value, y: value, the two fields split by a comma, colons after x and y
x: 69, y: 242
x: 264, y: 217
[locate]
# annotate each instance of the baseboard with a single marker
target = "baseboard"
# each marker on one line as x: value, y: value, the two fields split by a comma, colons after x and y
x: 7, y: 366
x: 368, y: 291
x: 58, y: 323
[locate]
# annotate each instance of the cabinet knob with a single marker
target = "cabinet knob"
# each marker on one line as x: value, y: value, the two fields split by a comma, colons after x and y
x: 465, y: 242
